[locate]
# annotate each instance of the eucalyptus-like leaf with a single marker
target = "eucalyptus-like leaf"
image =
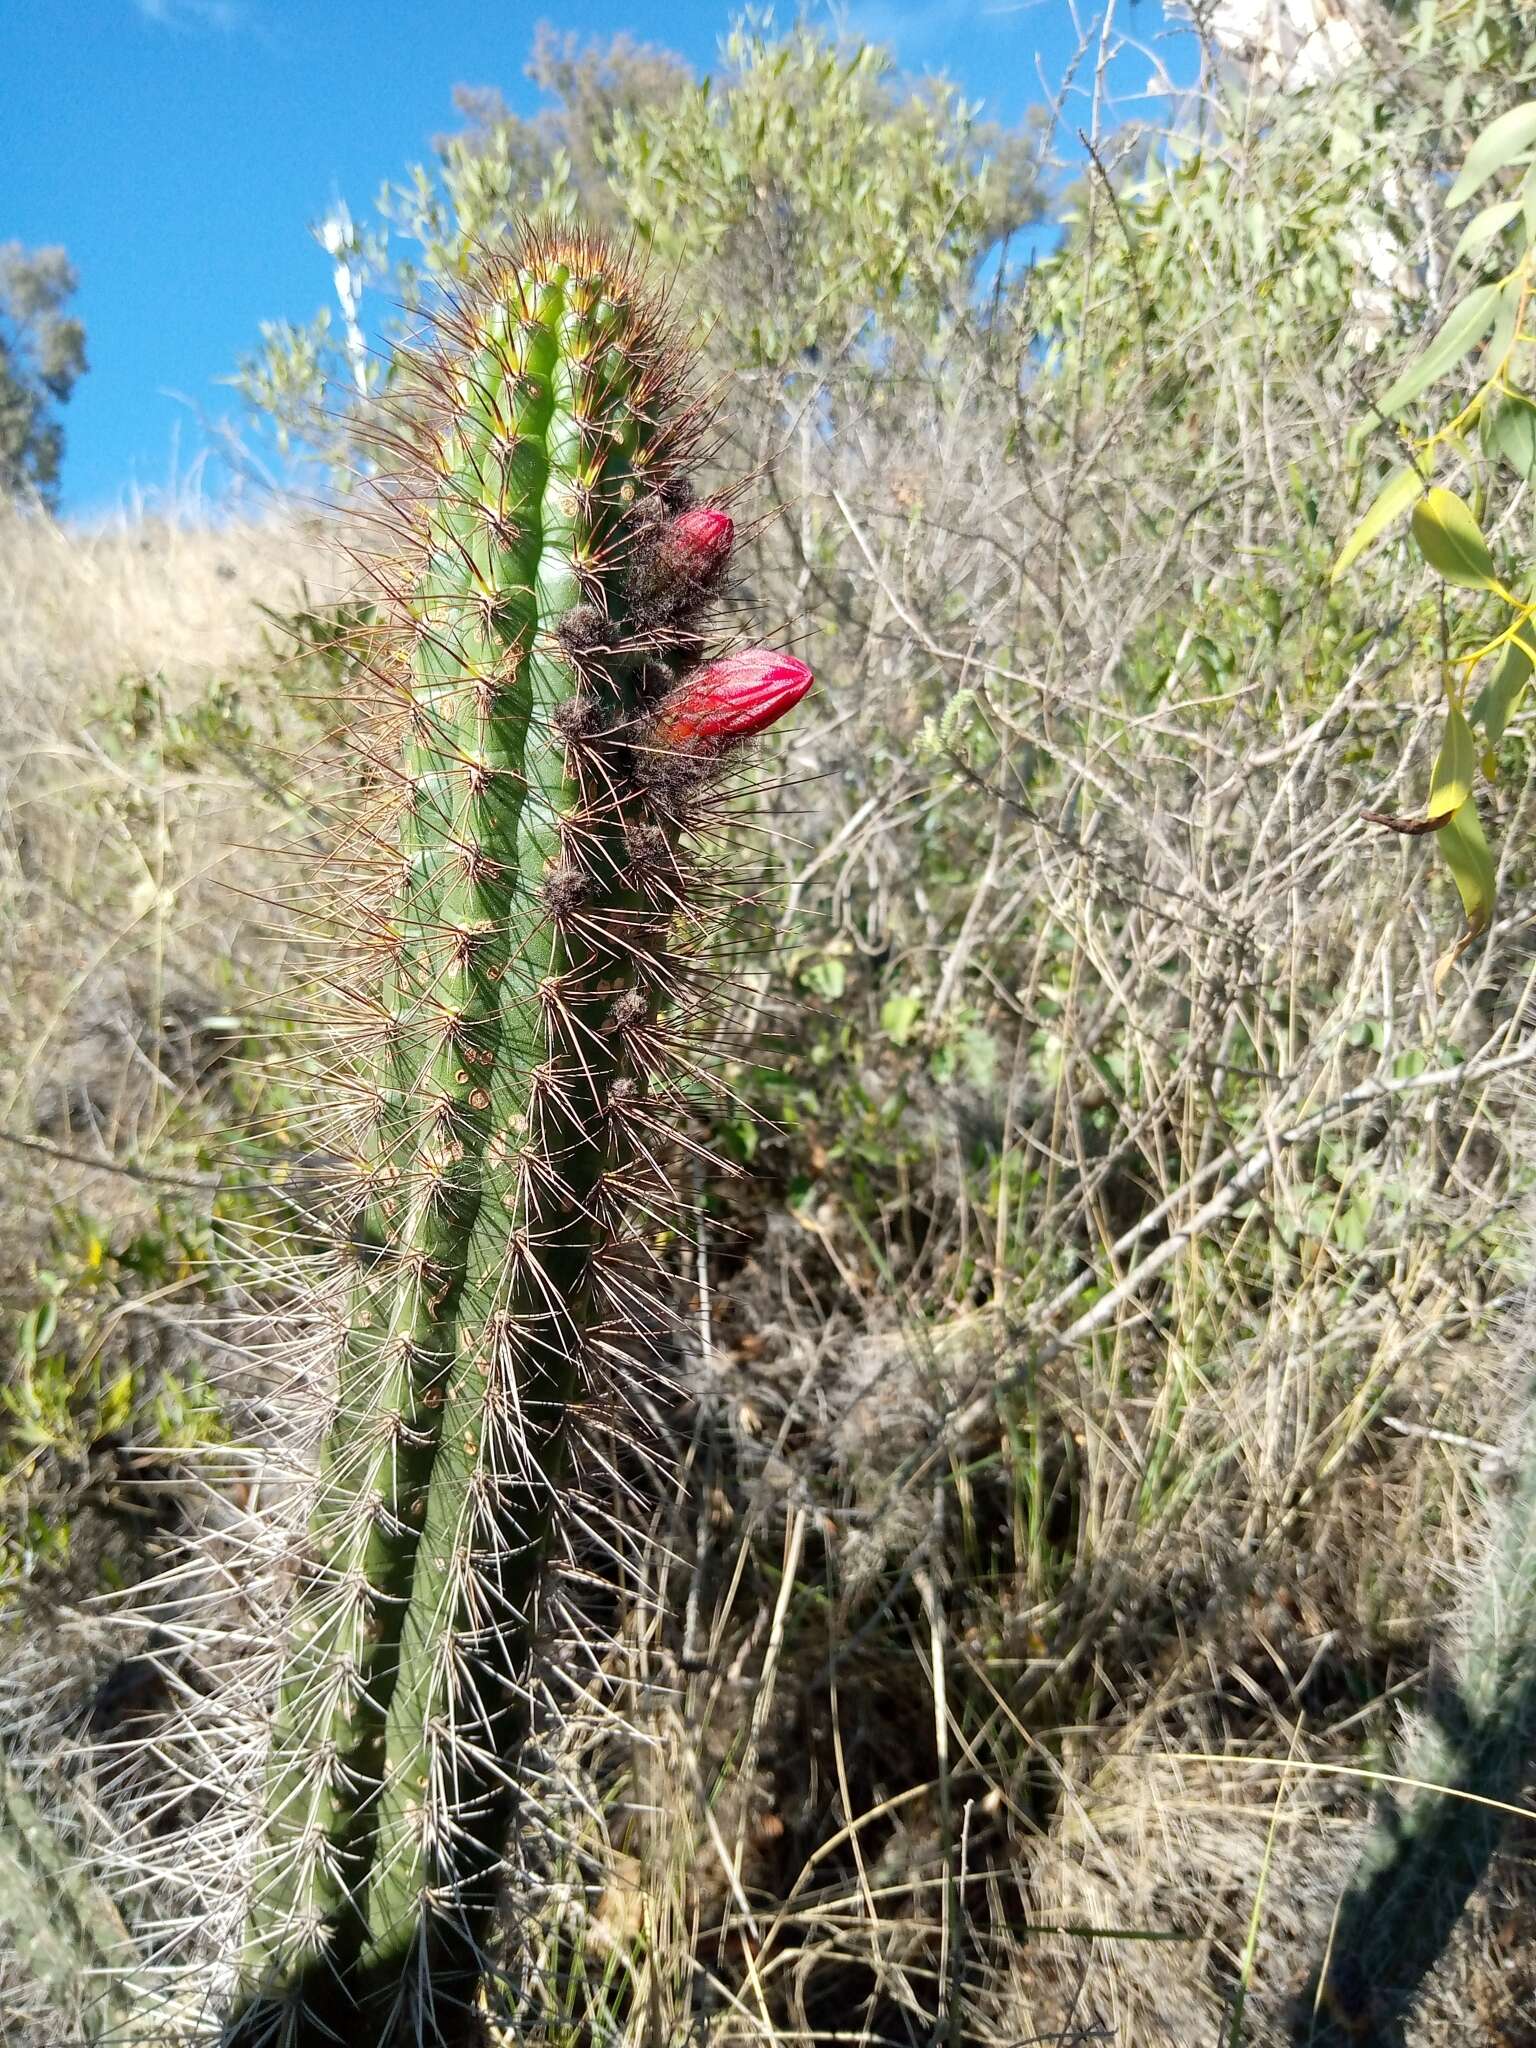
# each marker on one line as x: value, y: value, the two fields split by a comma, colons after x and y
x: 1451, y: 541
x: 1468, y: 857
x: 1399, y: 491
x: 1494, y: 705
x: 1481, y: 229
x: 1463, y: 328
x: 1455, y: 766
x: 1501, y: 143
x: 1509, y: 429
x: 1506, y: 325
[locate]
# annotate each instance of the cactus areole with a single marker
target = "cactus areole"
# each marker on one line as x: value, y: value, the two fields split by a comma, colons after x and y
x: 553, y: 733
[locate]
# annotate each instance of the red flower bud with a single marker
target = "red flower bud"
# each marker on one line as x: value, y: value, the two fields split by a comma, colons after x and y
x: 732, y: 698
x: 701, y: 538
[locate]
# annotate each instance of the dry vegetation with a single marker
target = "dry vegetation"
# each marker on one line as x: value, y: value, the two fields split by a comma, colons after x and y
x: 1091, y: 1399
x: 145, y: 763
x: 136, y: 689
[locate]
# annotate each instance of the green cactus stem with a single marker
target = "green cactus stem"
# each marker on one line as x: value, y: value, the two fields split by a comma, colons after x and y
x: 1424, y: 1857
x: 64, y: 1932
x: 510, y: 1064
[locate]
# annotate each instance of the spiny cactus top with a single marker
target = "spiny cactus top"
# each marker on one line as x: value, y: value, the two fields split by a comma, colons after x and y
x: 550, y: 736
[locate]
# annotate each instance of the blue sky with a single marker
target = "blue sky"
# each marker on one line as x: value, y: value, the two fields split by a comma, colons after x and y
x: 180, y: 149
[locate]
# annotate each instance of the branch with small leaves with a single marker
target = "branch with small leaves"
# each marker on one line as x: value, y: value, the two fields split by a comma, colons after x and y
x: 1485, y: 682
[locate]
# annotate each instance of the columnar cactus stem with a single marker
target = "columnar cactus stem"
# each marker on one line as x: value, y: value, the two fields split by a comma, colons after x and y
x: 555, y: 739
x: 1423, y: 1858
x: 61, y: 1926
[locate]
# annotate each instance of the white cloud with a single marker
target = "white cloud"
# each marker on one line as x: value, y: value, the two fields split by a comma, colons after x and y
x: 905, y: 26
x: 222, y: 15
x: 913, y: 27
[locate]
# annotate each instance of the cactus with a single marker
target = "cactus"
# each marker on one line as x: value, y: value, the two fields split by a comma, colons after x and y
x: 520, y: 1025
x: 65, y: 1933
x: 1422, y: 1862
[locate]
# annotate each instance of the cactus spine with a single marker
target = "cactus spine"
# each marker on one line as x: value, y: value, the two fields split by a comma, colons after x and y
x: 1422, y: 1862
x: 517, y: 1018
x: 64, y: 1930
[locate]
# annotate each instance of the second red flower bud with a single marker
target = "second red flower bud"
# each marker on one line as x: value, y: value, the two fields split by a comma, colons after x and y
x: 700, y: 538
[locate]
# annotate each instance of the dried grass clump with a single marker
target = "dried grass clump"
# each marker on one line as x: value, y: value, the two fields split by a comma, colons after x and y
x: 1097, y: 1397
x: 140, y: 780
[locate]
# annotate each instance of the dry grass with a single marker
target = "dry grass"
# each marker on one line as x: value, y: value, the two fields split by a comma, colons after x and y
x: 1079, y: 1448
x: 1087, y: 1460
x: 143, y: 746
x: 994, y: 1735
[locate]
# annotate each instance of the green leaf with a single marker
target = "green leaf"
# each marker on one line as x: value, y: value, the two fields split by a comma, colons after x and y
x: 117, y: 1404
x: 1455, y: 765
x: 1389, y: 504
x: 1467, y: 856
x: 1502, y: 338
x: 978, y: 1056
x: 1350, y: 1224
x: 1499, y: 144
x: 827, y: 976
x: 898, y: 1017
x: 1482, y: 227
x: 1463, y: 328
x: 1509, y: 430
x: 1494, y: 704
x: 1451, y: 541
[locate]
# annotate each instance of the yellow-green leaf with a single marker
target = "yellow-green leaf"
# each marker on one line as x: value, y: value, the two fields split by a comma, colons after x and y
x: 1482, y: 227
x: 1464, y: 327
x: 117, y: 1404
x: 1389, y: 504
x: 1468, y: 857
x: 1494, y: 704
x: 1510, y: 430
x: 1501, y: 340
x: 1451, y: 541
x: 1499, y: 144
x: 1455, y: 765
x: 1466, y: 854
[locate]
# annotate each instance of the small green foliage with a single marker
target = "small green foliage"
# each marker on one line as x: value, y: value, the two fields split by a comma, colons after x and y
x: 876, y: 203
x: 898, y: 1017
x: 65, y: 1399
x: 42, y: 355
x: 1447, y: 531
x: 811, y: 200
